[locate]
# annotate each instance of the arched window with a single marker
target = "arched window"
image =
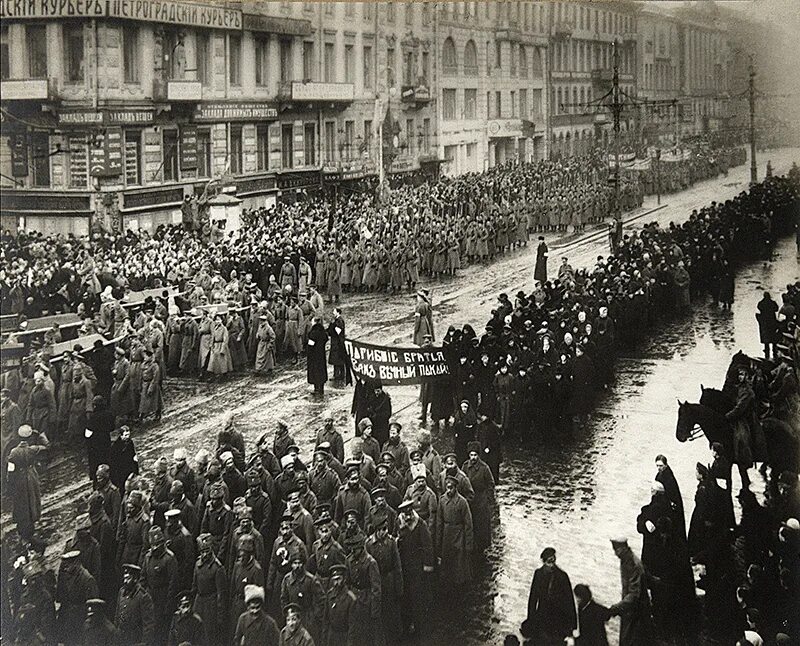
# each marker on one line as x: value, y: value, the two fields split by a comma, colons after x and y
x: 470, y: 59
x: 449, y: 61
x: 536, y: 61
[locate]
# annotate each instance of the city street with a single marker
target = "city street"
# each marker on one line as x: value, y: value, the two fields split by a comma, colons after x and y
x: 572, y: 494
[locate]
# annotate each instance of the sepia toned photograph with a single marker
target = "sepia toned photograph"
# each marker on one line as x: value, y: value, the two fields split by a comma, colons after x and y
x: 400, y: 323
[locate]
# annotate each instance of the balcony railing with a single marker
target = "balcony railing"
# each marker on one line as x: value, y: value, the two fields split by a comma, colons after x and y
x: 450, y: 70
x: 563, y: 29
x: 325, y: 92
x: 470, y: 70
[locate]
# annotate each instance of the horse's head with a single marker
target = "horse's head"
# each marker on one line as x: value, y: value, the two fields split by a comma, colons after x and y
x: 683, y: 428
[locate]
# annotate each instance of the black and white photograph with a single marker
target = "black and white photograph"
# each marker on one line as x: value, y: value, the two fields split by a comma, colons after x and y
x: 400, y: 323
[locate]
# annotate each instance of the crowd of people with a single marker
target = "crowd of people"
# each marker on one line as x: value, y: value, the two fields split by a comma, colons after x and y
x: 259, y: 547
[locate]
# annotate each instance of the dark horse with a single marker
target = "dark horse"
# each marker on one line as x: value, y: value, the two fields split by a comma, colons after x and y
x: 783, y: 446
x: 695, y: 420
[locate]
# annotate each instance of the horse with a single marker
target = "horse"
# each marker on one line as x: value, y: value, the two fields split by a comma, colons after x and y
x: 716, y: 399
x: 695, y: 420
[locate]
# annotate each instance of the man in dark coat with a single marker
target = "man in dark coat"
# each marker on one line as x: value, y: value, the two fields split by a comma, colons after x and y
x: 97, y: 629
x: 254, y: 626
x: 634, y: 607
x: 338, y: 355
x: 551, y: 608
x: 673, y: 492
x: 379, y: 412
x: 75, y: 587
x: 592, y: 618
x: 540, y: 272
x: 209, y: 586
x: 134, y: 616
x: 161, y: 577
x: 186, y: 626
x: 316, y: 365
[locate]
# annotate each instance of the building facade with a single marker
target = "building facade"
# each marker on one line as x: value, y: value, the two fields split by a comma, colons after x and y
x: 491, y: 83
x: 121, y: 109
x: 582, y: 37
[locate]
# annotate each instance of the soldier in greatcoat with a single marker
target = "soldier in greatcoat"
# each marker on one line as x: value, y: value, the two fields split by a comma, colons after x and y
x: 304, y: 589
x: 97, y: 629
x: 634, y: 607
x: 365, y: 581
x: 134, y: 615
x: 482, y: 481
x: 326, y: 551
x: 161, y: 577
x: 341, y: 609
x: 186, y: 626
x: 217, y: 521
x: 453, y: 537
x: 382, y: 546
x: 209, y: 587
x: 75, y: 587
x: 181, y: 544
x: 245, y: 571
x: 23, y: 480
x: 132, y: 534
x: 254, y: 627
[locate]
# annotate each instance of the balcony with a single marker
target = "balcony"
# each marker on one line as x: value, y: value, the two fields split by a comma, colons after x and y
x: 507, y: 33
x: 177, y: 91
x: 27, y: 90
x: 602, y: 76
x: 630, y: 38
x: 313, y: 91
x: 418, y: 95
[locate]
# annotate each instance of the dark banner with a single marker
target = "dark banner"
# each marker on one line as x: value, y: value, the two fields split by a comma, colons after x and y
x: 396, y: 366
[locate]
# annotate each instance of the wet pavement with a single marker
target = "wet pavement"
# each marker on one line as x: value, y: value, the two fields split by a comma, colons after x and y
x: 570, y: 493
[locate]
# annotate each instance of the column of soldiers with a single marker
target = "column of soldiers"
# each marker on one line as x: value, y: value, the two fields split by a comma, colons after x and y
x: 261, y: 548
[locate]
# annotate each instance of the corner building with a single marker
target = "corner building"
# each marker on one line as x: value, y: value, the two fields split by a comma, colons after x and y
x: 117, y: 109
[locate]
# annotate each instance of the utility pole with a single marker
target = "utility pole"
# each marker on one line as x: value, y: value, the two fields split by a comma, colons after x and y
x: 751, y: 93
x: 616, y: 111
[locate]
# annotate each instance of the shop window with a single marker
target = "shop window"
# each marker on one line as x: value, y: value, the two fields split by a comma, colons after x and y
x: 133, y: 157
x: 235, y: 160
x: 36, y: 39
x: 169, y: 147
x: 262, y: 146
x: 287, y: 145
x: 40, y: 154
x: 310, y: 144
x: 204, y: 152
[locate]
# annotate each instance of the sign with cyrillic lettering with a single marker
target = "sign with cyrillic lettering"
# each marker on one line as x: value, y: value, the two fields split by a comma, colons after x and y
x: 398, y: 366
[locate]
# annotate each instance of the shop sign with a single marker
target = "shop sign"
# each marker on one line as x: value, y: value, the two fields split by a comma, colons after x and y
x: 322, y: 91
x: 105, y: 155
x: 107, y: 117
x: 10, y: 9
x: 500, y: 128
x: 235, y: 112
x: 187, y: 14
x: 402, y: 164
x: 19, y: 155
x: 188, y: 156
x: 277, y: 25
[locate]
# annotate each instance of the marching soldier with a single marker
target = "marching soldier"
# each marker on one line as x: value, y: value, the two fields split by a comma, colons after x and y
x: 160, y: 576
x: 209, y: 588
x: 134, y: 616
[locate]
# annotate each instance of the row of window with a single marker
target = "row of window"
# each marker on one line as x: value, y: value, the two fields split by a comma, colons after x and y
x: 585, y: 55
x: 562, y: 98
x: 515, y: 105
x: 598, y: 20
x: 338, y: 144
x: 521, y: 58
x: 659, y: 76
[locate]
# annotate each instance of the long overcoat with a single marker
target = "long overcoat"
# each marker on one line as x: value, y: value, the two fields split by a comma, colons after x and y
x: 454, y: 540
x: 316, y: 367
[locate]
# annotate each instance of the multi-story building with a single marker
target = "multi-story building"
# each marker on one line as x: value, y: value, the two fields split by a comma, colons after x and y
x: 120, y: 109
x: 581, y: 63
x: 659, y: 86
x: 491, y: 83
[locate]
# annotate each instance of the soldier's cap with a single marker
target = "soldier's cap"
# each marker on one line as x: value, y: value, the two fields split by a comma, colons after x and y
x: 387, y: 457
x: 366, y: 421
x: 155, y: 532
x: 449, y: 478
x: 353, y: 466
x: 378, y: 492
x: 94, y: 606
x: 302, y: 476
x: 324, y: 446
x: 323, y: 451
x: 25, y: 431
x: 429, y: 337
x: 225, y: 456
x: 473, y: 447
x: 287, y: 461
x: 82, y: 522
x: 253, y: 476
x: 292, y: 607
x: 338, y: 569
x: 253, y: 593
x: 172, y: 513
x: 72, y: 554
x: 287, y: 517
x: 120, y: 350
x: 419, y: 471
x: 353, y: 512
x: 356, y: 540
x: 296, y: 556
x: 547, y: 553
x: 136, y: 498
x: 244, y: 513
x: 216, y: 491
x: 396, y: 425
x: 293, y: 448
x: 406, y: 505
x: 324, y: 519
x: 415, y: 453
x: 184, y: 595
x: 449, y: 455
x: 204, y: 540
x: 131, y: 568
x: 179, y: 453
x: 383, y: 467
x: 322, y: 507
